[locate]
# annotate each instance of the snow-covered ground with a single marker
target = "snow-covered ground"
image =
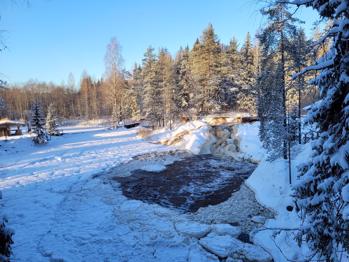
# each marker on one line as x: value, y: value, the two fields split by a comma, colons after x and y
x: 61, y: 211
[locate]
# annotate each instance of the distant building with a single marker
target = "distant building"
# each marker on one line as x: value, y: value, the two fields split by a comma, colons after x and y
x: 10, y: 127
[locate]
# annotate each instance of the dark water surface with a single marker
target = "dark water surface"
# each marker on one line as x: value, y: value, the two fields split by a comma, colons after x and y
x: 188, y: 184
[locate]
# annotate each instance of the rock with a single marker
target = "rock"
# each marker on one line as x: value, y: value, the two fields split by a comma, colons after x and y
x: 230, y: 259
x: 255, y: 253
x: 193, y: 229
x: 218, y: 245
x: 227, y: 246
x: 258, y: 219
x: 226, y: 229
x: 197, y: 253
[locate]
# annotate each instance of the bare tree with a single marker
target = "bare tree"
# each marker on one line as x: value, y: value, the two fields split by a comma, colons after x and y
x: 115, y: 79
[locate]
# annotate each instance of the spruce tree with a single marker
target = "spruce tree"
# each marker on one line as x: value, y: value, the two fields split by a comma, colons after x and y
x: 184, y: 86
x: 152, y: 96
x: 51, y: 121
x: 138, y: 90
x: 38, y: 124
x: 323, y: 190
x: 247, y: 93
x: 230, y: 75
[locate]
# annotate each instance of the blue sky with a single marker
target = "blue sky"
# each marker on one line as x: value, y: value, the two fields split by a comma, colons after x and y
x: 48, y: 39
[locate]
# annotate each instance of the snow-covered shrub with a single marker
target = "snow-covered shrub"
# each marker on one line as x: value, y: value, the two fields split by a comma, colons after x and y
x: 5, y: 240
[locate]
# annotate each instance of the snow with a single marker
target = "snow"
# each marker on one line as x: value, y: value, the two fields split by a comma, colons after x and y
x: 226, y: 229
x: 224, y: 246
x: 62, y: 205
x: 193, y: 229
x: 270, y: 183
x: 250, y: 145
x: 60, y: 209
x: 219, y: 245
x: 345, y: 193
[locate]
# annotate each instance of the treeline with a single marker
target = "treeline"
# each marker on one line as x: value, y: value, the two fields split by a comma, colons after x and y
x: 210, y: 77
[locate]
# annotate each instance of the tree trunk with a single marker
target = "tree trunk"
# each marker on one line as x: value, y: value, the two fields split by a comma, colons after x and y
x: 283, y: 90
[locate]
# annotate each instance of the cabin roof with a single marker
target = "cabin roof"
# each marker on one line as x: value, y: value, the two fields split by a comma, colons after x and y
x: 8, y: 123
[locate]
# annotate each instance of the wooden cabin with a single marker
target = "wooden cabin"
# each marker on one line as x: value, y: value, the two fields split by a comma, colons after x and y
x: 10, y: 127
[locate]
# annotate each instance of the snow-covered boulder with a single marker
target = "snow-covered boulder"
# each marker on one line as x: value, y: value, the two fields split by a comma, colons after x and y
x: 258, y: 219
x: 192, y: 229
x: 197, y: 254
x: 227, y: 246
x: 218, y: 245
x: 254, y: 253
x: 226, y: 229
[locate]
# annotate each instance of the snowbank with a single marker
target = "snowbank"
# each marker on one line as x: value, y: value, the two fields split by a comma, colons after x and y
x: 270, y: 183
x: 250, y: 145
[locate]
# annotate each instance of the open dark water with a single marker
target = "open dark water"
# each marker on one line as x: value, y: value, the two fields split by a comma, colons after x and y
x: 188, y: 184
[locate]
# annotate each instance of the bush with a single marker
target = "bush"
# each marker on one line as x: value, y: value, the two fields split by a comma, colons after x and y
x: 5, y: 241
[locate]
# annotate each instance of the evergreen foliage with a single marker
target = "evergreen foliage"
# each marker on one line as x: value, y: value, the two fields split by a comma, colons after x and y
x: 38, y: 124
x: 51, y: 121
x: 275, y: 40
x: 5, y: 240
x: 323, y: 193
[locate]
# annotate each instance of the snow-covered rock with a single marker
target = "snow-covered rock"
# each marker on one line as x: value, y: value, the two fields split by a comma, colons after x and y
x: 193, y: 229
x: 258, y: 219
x: 227, y: 246
x: 218, y: 245
x: 226, y: 229
x: 254, y: 253
x: 197, y: 254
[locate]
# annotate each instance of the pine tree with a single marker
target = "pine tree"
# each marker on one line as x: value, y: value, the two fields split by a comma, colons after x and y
x: 51, y: 121
x: 210, y: 64
x: 299, y: 56
x: 167, y: 85
x: 205, y: 64
x: 38, y: 124
x: 195, y: 60
x: 323, y: 190
x: 274, y: 40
